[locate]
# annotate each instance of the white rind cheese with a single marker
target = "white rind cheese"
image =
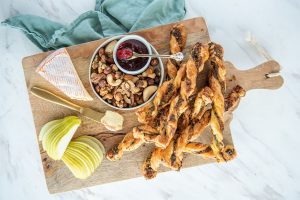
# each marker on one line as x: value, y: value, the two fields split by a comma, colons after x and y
x: 58, y: 69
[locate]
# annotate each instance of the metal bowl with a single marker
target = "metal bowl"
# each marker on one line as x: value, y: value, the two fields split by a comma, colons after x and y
x: 160, y: 65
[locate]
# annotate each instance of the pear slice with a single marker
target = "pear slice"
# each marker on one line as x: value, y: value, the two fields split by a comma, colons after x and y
x: 93, y: 143
x: 98, y: 143
x: 59, y: 142
x: 84, y: 163
x: 94, y: 157
x: 87, y: 151
x: 57, y: 135
x: 98, y: 146
x: 47, y: 128
x: 83, y: 152
x: 72, y: 163
x: 75, y: 166
x: 48, y: 137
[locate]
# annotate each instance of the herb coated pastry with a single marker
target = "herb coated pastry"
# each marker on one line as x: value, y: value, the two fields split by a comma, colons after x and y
x: 178, y: 38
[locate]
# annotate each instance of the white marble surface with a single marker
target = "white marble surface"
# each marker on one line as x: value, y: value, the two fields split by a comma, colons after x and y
x: 265, y: 127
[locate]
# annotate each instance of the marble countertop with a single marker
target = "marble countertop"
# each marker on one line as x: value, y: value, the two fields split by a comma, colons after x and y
x: 265, y: 126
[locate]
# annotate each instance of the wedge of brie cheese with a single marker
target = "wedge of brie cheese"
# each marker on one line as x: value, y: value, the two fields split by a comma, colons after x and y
x: 58, y: 69
x: 112, y: 121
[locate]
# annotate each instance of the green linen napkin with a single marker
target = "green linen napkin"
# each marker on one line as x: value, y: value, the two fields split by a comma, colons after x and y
x: 111, y: 17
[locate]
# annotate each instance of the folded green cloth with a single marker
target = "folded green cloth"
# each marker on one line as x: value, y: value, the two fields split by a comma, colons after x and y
x: 111, y: 17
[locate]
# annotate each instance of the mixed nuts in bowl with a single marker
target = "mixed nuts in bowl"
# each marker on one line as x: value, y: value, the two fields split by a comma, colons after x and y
x: 120, y: 90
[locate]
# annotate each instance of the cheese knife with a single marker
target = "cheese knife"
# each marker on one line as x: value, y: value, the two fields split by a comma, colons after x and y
x: 48, y: 96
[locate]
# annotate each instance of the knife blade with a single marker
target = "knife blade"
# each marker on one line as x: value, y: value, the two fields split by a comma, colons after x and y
x: 48, y: 96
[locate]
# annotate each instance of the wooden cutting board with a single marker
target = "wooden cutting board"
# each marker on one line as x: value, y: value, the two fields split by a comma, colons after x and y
x: 58, y: 176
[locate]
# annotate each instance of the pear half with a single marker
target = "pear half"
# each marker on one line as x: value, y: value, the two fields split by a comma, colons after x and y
x: 83, y: 155
x: 75, y: 165
x: 56, y: 135
x: 93, y: 143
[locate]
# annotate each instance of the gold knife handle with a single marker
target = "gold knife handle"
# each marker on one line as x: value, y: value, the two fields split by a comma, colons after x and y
x: 48, y: 96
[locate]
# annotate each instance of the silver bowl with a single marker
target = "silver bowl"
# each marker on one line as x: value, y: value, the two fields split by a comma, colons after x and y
x: 160, y: 65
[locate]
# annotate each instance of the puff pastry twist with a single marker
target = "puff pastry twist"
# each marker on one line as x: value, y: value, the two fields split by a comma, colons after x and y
x: 178, y: 38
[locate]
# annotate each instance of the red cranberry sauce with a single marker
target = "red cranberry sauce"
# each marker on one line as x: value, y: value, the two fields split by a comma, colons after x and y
x: 125, y: 51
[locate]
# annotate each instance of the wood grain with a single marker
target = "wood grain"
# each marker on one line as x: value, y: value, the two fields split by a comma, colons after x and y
x: 58, y: 177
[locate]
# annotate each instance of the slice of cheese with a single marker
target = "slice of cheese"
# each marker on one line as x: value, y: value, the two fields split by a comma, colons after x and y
x: 58, y: 69
x: 112, y: 121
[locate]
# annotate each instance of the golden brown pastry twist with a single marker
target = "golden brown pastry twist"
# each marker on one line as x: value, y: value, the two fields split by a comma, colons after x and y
x: 146, y: 133
x: 177, y: 107
x: 164, y: 93
x: 215, y: 50
x: 217, y: 84
x: 193, y: 131
x: 167, y: 91
x: 159, y: 156
x: 172, y: 68
x: 151, y: 164
x: 231, y: 101
x: 169, y: 88
x: 163, y: 97
x: 194, y: 64
x: 203, y: 98
x: 204, y: 150
x: 162, y: 134
x: 135, y: 138
x: 199, y: 120
x: 143, y: 134
x: 144, y: 114
x: 157, y: 127
x: 178, y: 38
x: 198, y: 148
x: 129, y: 143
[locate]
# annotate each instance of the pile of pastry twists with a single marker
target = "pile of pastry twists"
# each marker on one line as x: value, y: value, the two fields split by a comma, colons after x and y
x: 181, y: 111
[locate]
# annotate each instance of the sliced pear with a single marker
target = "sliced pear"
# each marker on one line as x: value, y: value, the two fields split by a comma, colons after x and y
x: 99, y: 144
x: 93, y: 143
x: 90, y: 158
x: 84, y: 164
x: 81, y: 155
x: 59, y: 141
x: 96, y: 141
x: 48, y: 137
x: 75, y: 166
x: 56, y: 135
x: 47, y: 128
x: 95, y: 158
x: 88, y: 149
